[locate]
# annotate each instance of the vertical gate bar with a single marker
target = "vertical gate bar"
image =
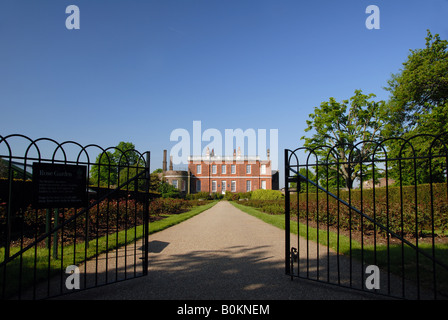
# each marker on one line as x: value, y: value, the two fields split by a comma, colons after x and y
x: 86, y: 245
x: 307, y: 225
x: 362, y: 230
x: 328, y: 228
x: 8, y: 226
x: 417, y: 264
x: 350, y: 226
x: 317, y: 223
x: 287, y: 217
x: 374, y: 211
x: 55, y: 235
x: 135, y: 238
x: 298, y: 222
x: 74, y: 238
x: 35, y: 253
x: 116, y: 230
x: 48, y: 245
x: 402, y: 243
x: 21, y: 258
x: 338, y: 222
x: 387, y: 233
x: 106, y: 273
x: 47, y: 227
x: 97, y: 226
x: 61, y: 273
x: 146, y: 218
x: 432, y: 229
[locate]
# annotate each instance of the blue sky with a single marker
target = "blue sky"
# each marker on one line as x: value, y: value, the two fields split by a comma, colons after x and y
x: 137, y: 70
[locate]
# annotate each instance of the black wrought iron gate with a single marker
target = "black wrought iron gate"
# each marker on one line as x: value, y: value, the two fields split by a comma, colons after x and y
x: 69, y: 221
x: 383, y: 236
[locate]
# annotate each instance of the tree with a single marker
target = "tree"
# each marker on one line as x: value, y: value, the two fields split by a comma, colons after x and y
x: 349, y: 129
x: 420, y: 88
x: 418, y: 106
x: 104, y: 172
x: 112, y: 168
x: 168, y: 191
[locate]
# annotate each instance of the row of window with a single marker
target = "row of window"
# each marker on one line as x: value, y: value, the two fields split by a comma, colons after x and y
x: 232, y: 185
x: 232, y: 169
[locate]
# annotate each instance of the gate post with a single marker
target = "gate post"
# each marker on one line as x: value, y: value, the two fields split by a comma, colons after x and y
x: 287, y: 217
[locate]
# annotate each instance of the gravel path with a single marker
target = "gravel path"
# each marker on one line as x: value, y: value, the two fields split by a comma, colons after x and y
x: 221, y: 254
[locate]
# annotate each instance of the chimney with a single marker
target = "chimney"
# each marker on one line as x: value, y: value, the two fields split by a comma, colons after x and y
x: 164, y: 160
x: 171, y: 163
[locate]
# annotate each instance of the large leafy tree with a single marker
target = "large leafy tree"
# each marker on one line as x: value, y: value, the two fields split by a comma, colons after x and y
x: 117, y: 166
x: 341, y: 126
x: 419, y: 106
x: 419, y: 91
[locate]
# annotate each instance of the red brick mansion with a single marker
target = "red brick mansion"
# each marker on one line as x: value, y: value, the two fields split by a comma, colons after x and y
x: 218, y: 174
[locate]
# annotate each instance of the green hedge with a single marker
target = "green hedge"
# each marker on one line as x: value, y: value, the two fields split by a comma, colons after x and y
x: 262, y: 194
x: 388, y: 211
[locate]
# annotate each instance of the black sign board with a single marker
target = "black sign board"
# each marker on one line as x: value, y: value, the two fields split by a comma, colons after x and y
x: 59, y: 185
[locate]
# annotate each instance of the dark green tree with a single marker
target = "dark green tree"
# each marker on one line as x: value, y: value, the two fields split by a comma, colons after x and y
x: 104, y: 172
x: 418, y: 107
x: 113, y: 168
x: 419, y: 89
x: 345, y: 133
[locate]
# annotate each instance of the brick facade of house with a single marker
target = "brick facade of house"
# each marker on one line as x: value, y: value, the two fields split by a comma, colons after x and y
x: 218, y: 175
x: 215, y: 174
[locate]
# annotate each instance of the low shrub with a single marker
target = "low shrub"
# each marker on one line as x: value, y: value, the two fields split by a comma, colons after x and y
x: 262, y: 194
x: 103, y: 217
x: 402, y: 214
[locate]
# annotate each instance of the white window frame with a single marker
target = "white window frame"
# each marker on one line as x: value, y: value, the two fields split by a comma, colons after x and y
x: 233, y: 169
x: 198, y: 185
x: 263, y: 169
x: 233, y: 186
x: 213, y: 168
x: 214, y: 186
x: 248, y: 185
x: 175, y: 183
x: 263, y: 184
x: 248, y: 168
x: 198, y: 169
x: 223, y: 169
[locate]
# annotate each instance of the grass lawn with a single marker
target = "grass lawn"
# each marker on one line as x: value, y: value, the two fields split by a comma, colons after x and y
x: 38, y: 263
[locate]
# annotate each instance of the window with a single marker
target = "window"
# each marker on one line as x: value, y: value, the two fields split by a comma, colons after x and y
x: 175, y: 183
x: 223, y: 169
x: 214, y: 169
x: 198, y: 185
x: 263, y: 169
x: 263, y: 184
x: 248, y: 168
x: 223, y: 188
x: 184, y: 185
x: 233, y: 186
x: 233, y: 168
x: 213, y: 186
x: 198, y: 169
x: 248, y: 185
